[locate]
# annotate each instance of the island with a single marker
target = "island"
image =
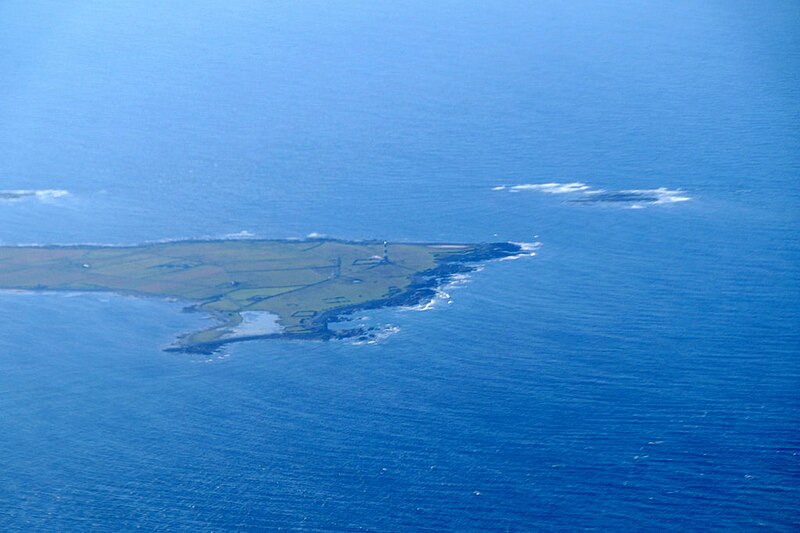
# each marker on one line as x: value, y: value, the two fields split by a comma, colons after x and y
x: 255, y: 289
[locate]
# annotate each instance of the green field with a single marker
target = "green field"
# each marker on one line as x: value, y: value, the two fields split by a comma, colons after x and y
x: 304, y: 283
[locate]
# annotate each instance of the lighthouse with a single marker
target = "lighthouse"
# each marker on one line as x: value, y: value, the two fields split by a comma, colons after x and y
x: 385, y: 252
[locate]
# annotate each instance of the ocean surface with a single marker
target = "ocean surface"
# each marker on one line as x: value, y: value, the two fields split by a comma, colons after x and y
x: 642, y: 372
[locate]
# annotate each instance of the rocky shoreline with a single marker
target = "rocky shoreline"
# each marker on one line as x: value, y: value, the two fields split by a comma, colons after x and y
x: 422, y: 289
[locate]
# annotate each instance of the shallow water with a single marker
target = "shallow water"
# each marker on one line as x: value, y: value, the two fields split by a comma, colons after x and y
x: 257, y: 323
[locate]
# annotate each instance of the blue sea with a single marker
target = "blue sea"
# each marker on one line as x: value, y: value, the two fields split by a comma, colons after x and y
x: 641, y: 372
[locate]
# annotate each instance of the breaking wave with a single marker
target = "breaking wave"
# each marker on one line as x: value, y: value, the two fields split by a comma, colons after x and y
x: 43, y: 195
x: 528, y: 250
x: 582, y: 193
x: 550, y: 188
x: 377, y: 335
x: 442, y: 292
x: 240, y: 235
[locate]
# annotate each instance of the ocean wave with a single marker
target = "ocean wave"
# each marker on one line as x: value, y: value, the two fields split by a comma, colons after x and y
x: 550, y: 188
x: 43, y: 195
x: 528, y: 250
x: 442, y: 292
x: 528, y: 246
x: 582, y: 193
x: 221, y: 353
x: 662, y: 195
x: 244, y: 234
x: 377, y: 335
x: 440, y: 296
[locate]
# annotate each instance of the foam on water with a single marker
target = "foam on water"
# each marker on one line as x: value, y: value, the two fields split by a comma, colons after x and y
x: 43, y: 195
x: 377, y: 335
x: 528, y: 250
x: 442, y: 293
x: 244, y: 234
x: 662, y: 194
x: 550, y: 188
x: 585, y: 194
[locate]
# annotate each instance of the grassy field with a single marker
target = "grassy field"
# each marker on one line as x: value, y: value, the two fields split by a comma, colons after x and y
x: 301, y: 282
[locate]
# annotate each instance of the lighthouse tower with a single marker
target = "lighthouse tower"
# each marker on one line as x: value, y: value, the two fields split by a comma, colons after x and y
x: 385, y: 252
